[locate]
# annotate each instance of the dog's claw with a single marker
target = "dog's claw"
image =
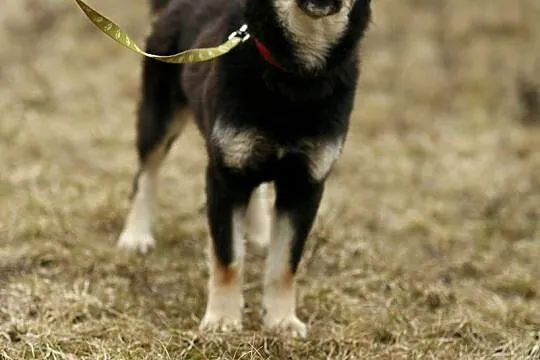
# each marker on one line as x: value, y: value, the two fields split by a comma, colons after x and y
x: 290, y: 325
x: 213, y: 323
x: 140, y: 242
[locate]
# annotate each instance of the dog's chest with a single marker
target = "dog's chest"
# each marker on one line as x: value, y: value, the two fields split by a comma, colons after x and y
x: 245, y: 149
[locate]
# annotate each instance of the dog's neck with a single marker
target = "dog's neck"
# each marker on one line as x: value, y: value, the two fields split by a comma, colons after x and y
x: 294, y: 39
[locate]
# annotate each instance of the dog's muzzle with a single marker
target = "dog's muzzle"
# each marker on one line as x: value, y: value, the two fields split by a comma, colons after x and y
x: 320, y: 8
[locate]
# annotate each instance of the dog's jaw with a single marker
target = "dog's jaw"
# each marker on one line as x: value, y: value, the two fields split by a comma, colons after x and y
x: 312, y: 38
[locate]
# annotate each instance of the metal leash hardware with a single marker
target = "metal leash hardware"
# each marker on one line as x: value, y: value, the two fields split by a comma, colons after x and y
x: 115, y: 32
x: 241, y: 33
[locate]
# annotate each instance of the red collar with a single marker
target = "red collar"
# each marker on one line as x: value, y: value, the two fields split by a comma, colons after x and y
x: 265, y: 53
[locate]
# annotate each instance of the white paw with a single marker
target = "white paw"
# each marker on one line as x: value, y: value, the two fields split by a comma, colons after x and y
x: 136, y: 241
x: 221, y: 322
x: 290, y: 325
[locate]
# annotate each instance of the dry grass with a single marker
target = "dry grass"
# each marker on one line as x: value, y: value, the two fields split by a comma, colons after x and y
x: 428, y: 240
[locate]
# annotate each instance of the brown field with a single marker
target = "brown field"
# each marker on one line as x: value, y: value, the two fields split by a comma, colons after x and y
x: 427, y: 245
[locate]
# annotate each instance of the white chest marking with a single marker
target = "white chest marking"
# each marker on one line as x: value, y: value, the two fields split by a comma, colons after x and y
x: 238, y: 147
x: 322, y: 156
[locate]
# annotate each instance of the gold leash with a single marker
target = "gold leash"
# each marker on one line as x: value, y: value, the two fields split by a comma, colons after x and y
x: 115, y: 32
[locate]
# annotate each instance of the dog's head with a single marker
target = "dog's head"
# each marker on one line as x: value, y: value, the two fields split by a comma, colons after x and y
x: 323, y: 8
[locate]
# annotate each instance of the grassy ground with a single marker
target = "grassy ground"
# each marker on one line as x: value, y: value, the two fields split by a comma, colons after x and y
x: 428, y: 240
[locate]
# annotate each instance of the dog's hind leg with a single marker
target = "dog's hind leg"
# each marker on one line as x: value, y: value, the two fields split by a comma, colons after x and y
x: 259, y: 216
x: 162, y: 115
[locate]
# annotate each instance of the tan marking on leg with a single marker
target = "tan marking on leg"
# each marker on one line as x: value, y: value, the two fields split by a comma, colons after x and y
x: 224, y: 275
x: 176, y: 127
x: 288, y: 280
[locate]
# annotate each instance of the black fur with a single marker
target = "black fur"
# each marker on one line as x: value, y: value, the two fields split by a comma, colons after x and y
x: 157, y: 5
x: 248, y: 93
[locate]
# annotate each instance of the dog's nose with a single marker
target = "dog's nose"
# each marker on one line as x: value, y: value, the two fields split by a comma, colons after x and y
x: 319, y: 11
x: 319, y: 8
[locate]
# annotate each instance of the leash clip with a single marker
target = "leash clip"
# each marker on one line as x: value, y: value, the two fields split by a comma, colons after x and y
x: 241, y: 33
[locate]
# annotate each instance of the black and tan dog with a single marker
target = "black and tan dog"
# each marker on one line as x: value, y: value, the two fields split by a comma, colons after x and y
x: 275, y: 109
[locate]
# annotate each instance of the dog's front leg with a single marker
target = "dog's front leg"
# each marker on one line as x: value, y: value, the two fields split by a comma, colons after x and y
x: 298, y: 198
x: 227, y: 200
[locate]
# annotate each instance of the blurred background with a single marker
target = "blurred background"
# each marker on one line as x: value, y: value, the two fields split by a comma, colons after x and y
x: 428, y: 239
